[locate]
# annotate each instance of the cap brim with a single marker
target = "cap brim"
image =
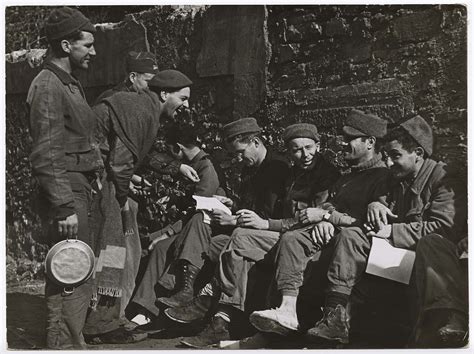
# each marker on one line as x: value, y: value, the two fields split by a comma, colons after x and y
x: 352, y: 131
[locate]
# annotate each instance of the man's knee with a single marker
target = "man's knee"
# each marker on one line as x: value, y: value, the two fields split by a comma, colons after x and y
x: 351, y: 237
x: 290, y: 238
x: 240, y: 237
x: 433, y: 243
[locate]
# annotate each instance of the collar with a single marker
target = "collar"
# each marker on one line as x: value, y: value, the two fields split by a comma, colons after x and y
x: 423, y: 175
x: 199, y: 156
x: 374, y: 162
x: 65, y: 77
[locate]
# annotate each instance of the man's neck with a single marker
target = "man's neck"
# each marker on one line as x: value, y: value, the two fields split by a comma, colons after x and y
x: 262, y: 155
x: 190, y: 153
x: 62, y: 63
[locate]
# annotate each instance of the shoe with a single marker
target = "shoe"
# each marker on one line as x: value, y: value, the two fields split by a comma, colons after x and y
x: 118, y: 336
x: 141, y: 319
x: 194, y: 310
x: 186, y: 292
x: 454, y: 333
x: 274, y: 321
x: 333, y: 326
x: 213, y: 334
x: 157, y: 325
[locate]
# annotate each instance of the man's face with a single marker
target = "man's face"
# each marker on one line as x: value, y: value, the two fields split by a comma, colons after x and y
x: 140, y: 80
x: 176, y: 101
x: 402, y: 163
x: 302, y: 152
x: 82, y: 51
x: 355, y: 149
x: 248, y: 153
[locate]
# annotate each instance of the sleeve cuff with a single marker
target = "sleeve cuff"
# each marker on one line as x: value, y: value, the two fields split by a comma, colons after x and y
x: 63, y: 211
x: 275, y: 225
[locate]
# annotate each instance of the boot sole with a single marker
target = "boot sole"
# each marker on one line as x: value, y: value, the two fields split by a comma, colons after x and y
x: 190, y: 345
x: 164, y: 301
x: 264, y: 324
x: 171, y: 317
x: 315, y: 338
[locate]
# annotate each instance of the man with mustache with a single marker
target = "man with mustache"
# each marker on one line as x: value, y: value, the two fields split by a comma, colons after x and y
x: 66, y: 161
x: 346, y: 208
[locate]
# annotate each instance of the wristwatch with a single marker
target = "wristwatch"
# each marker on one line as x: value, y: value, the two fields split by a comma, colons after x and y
x: 327, y: 215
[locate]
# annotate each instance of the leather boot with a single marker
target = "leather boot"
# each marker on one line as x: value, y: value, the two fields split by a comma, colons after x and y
x: 186, y: 292
x: 195, y: 310
x: 334, y: 326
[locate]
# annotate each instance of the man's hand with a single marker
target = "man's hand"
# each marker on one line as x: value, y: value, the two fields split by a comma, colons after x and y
x: 311, y: 215
x: 139, y: 186
x: 189, y: 173
x: 224, y: 200
x: 221, y: 218
x: 322, y: 233
x: 69, y: 226
x: 462, y: 247
x: 248, y: 218
x: 378, y: 215
x: 384, y: 232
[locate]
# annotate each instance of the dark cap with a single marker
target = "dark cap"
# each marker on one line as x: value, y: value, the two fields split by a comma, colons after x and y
x: 170, y: 80
x: 421, y: 132
x: 242, y: 126
x: 301, y: 130
x: 65, y: 21
x: 359, y: 124
x: 141, y: 62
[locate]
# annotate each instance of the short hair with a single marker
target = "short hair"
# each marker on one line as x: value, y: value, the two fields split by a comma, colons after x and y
x: 56, y: 44
x: 401, y: 135
x: 378, y: 142
x: 184, y: 134
x: 242, y: 138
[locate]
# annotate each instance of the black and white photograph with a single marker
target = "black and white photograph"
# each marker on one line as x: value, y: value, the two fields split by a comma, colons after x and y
x: 235, y: 177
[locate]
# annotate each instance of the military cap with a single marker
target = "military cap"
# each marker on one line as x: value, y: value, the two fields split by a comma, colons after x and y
x: 242, y: 126
x: 141, y: 62
x: 420, y: 131
x: 65, y: 21
x: 170, y: 80
x: 359, y: 124
x: 301, y: 130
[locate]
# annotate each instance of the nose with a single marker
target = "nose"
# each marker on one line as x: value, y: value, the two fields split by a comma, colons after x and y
x: 186, y: 104
x: 389, y: 162
x: 92, y: 51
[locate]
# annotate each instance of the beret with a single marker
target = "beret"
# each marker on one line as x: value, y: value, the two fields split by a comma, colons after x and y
x: 141, y: 62
x: 170, y: 79
x: 241, y: 126
x: 359, y: 124
x: 301, y: 130
x: 420, y: 131
x: 65, y: 21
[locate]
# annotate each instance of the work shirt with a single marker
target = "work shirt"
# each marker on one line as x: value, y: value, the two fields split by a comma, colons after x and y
x: 62, y: 127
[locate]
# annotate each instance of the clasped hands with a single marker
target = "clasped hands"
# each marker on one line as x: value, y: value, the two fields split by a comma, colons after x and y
x: 378, y: 217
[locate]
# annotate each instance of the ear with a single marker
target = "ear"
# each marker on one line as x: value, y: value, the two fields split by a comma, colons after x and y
x: 318, y: 146
x: 256, y: 141
x: 66, y: 46
x: 420, y: 153
x: 163, y: 95
x: 132, y: 76
x: 371, y: 142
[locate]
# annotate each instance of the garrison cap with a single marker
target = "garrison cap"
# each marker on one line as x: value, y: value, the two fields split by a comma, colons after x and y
x: 65, y: 21
x: 173, y: 80
x: 242, y: 126
x: 301, y: 130
x: 141, y: 62
x: 360, y: 124
x: 421, y: 132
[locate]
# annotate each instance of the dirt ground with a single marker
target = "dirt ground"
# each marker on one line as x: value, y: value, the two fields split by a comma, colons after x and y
x: 26, y: 329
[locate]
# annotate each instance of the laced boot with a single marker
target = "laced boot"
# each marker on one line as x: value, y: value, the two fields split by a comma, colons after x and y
x: 186, y: 292
x: 334, y: 325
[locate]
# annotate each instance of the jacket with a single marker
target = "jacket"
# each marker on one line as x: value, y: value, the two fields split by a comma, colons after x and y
x: 304, y: 189
x: 424, y: 206
x: 62, y: 127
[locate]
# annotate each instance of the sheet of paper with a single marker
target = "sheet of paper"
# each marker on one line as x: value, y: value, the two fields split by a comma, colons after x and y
x: 390, y: 262
x: 209, y: 203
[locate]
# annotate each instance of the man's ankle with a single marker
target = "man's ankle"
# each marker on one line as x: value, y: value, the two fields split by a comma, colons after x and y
x: 334, y: 298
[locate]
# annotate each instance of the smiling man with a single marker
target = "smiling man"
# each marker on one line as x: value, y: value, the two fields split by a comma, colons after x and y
x: 66, y: 161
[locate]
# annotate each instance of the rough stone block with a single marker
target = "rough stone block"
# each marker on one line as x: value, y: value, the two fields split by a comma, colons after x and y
x: 288, y: 52
x: 336, y: 27
x: 418, y: 26
x: 357, y: 51
x: 293, y: 34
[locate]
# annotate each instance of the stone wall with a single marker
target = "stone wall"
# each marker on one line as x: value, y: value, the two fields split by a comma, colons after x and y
x: 281, y: 64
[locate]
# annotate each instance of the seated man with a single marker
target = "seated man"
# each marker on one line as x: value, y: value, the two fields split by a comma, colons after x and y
x: 348, y: 199
x: 261, y: 190
x: 306, y: 187
x: 423, y: 204
x: 184, y: 142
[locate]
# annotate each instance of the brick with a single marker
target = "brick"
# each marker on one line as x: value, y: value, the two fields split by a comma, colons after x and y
x: 288, y: 52
x: 357, y: 51
x: 293, y: 34
x: 336, y: 27
x: 419, y: 26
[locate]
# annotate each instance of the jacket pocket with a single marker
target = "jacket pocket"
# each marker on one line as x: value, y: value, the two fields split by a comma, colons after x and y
x: 77, y: 144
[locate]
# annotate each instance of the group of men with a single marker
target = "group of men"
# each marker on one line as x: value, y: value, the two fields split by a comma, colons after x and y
x: 299, y: 235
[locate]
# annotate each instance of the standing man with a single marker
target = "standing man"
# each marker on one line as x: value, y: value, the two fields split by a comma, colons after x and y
x: 66, y: 161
